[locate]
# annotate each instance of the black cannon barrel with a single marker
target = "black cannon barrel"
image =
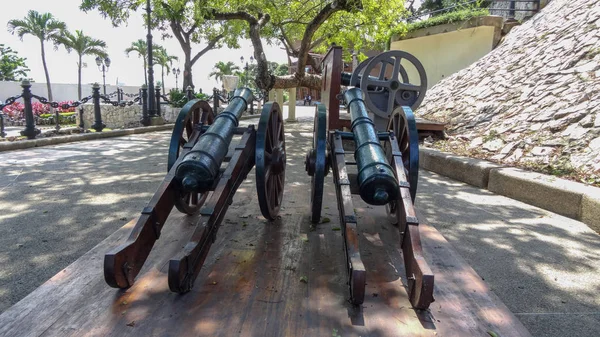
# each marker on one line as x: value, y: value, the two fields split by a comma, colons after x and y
x: 199, y: 167
x: 376, y: 179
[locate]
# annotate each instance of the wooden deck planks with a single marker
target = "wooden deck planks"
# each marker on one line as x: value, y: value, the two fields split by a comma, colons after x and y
x: 251, y: 283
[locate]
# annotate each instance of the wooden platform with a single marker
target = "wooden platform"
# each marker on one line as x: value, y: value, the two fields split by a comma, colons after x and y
x: 424, y: 127
x: 260, y: 279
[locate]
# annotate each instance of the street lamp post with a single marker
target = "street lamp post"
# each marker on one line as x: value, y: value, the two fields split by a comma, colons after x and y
x: 177, y: 71
x: 246, y: 67
x: 103, y: 66
x: 151, y: 99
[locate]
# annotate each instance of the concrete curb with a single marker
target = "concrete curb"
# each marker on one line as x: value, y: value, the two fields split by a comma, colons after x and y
x: 471, y: 171
x: 571, y: 199
x: 25, y: 144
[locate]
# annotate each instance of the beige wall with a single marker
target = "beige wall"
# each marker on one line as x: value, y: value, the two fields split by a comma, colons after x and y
x: 446, y: 53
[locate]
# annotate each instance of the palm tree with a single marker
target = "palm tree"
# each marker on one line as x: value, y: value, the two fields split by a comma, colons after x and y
x: 83, y: 45
x: 43, y: 26
x: 165, y: 61
x: 141, y: 48
x: 223, y: 69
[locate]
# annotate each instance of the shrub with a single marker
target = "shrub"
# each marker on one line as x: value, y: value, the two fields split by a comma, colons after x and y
x: 202, y: 96
x: 60, y: 108
x: 15, y: 110
x: 39, y: 108
x: 177, y: 98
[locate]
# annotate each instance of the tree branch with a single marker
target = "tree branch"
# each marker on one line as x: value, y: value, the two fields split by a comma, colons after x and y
x: 211, y: 45
x: 316, y: 22
x: 233, y: 16
x: 294, y: 81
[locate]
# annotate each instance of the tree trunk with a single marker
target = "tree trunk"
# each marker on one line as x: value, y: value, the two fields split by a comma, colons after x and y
x: 47, y: 75
x: 145, y: 74
x: 187, y: 71
x: 79, y: 79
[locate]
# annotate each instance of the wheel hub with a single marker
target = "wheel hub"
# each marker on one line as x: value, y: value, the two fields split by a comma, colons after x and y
x: 277, y: 160
x: 310, y: 162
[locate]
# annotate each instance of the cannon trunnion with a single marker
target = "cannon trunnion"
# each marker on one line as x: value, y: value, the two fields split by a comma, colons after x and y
x: 205, y: 169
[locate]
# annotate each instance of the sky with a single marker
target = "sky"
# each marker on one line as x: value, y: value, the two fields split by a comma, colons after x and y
x: 62, y: 66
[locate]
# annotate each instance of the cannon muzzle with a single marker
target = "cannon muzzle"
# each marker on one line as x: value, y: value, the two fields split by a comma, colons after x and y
x: 199, y: 167
x: 377, y: 183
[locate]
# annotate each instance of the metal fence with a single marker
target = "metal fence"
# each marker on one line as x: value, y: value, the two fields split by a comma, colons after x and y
x: 506, y: 8
x: 25, y: 115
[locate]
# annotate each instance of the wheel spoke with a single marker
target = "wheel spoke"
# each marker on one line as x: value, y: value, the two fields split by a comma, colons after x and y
x: 392, y: 98
x: 189, y: 128
x: 409, y: 87
x: 195, y: 198
x: 396, y: 68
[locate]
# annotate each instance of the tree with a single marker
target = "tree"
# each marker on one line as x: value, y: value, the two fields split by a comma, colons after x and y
x: 174, y: 18
x: 221, y: 69
x: 43, y: 26
x: 82, y: 45
x: 300, y: 25
x: 165, y: 61
x: 12, y: 67
x: 141, y: 48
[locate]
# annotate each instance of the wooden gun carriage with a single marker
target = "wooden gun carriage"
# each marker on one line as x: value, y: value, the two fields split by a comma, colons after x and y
x: 199, y: 147
x: 385, y: 148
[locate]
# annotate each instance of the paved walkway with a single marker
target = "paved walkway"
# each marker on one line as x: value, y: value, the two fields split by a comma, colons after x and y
x: 58, y: 202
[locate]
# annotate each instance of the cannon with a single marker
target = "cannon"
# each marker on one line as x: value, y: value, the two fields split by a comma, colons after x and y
x: 385, y: 166
x: 205, y: 168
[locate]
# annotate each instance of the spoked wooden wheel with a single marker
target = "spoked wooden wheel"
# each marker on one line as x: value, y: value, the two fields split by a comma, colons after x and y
x: 270, y: 160
x: 186, y: 132
x: 316, y: 162
x: 404, y: 127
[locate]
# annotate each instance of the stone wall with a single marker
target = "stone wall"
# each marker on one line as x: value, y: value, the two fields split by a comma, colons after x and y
x: 524, y: 9
x: 535, y: 99
x: 115, y: 117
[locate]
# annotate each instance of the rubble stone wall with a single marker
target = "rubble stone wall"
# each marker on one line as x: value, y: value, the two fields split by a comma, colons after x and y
x: 535, y: 98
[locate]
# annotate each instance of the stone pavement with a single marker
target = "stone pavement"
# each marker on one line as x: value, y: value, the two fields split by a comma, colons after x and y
x: 59, y: 201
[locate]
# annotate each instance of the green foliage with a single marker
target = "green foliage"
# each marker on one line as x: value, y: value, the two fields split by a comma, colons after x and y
x: 451, y: 17
x: 450, y: 6
x: 221, y: 68
x: 202, y: 96
x: 281, y: 70
x: 43, y: 26
x: 140, y: 47
x: 178, y: 98
x: 165, y: 61
x: 12, y: 67
x: 82, y: 44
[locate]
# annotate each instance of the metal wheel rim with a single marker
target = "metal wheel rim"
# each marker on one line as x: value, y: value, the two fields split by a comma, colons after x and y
x: 358, y: 72
x: 320, y: 146
x: 404, y: 126
x: 389, y: 93
x: 270, y: 139
x: 187, y: 126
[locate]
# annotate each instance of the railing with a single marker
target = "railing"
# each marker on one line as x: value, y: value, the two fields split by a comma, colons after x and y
x: 31, y: 120
x: 511, y: 9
